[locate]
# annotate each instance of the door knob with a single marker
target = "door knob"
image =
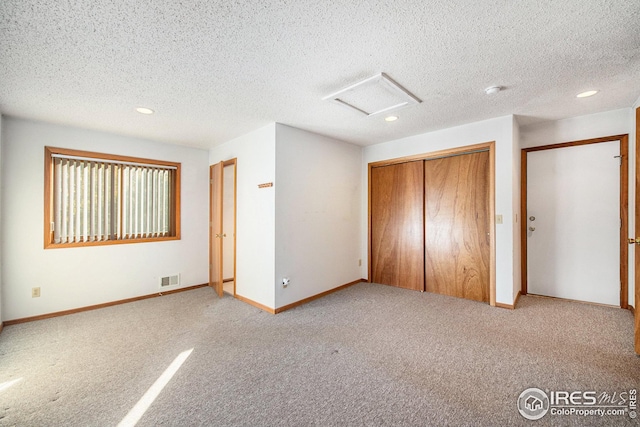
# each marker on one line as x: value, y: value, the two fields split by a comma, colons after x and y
x: 636, y: 241
x: 532, y: 229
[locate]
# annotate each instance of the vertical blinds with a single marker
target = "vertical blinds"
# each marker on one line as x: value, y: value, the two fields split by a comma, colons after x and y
x: 98, y: 200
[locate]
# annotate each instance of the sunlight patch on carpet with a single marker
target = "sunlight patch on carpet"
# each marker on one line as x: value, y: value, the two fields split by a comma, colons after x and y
x: 147, y: 399
x: 5, y: 385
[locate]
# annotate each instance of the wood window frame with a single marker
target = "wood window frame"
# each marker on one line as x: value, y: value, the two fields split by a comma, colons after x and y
x: 49, y: 190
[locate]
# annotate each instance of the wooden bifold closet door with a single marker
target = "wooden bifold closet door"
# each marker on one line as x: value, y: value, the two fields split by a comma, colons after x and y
x: 457, y: 226
x: 397, y: 225
x: 430, y: 225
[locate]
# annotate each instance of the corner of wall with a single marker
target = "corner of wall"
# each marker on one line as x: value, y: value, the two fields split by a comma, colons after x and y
x: 117, y: 272
x: 498, y: 129
x: 255, y: 212
x: 317, y: 214
x: 517, y: 177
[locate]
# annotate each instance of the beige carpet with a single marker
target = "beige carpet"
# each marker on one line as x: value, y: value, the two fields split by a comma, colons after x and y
x: 367, y: 355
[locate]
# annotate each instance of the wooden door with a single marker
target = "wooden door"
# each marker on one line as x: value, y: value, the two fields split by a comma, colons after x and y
x: 397, y: 225
x: 215, y: 227
x: 229, y: 226
x: 637, y: 235
x: 457, y: 217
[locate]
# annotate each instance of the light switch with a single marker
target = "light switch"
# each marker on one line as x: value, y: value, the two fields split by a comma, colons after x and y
x: 498, y: 219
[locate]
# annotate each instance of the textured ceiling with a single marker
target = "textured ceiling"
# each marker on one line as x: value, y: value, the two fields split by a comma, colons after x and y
x: 214, y: 70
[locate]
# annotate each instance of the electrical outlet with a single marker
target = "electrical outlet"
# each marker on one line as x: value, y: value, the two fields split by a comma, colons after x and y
x: 359, y: 263
x: 35, y: 292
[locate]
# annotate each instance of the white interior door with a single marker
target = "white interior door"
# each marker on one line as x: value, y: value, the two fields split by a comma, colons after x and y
x: 573, y: 222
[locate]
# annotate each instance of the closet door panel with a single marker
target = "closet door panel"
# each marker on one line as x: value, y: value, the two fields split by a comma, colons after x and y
x: 397, y: 225
x: 457, y: 245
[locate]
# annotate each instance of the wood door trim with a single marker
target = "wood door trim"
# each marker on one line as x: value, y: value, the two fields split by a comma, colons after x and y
x: 467, y: 149
x: 217, y: 285
x: 624, y: 205
x: 369, y: 257
x: 492, y: 225
x: 492, y: 200
x: 233, y: 162
x: 577, y: 143
x: 210, y: 224
x: 636, y: 315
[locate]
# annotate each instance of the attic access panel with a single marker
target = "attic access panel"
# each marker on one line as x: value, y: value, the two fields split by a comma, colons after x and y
x: 374, y: 95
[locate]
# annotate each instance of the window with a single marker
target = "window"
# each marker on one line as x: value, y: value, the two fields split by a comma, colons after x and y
x: 96, y: 199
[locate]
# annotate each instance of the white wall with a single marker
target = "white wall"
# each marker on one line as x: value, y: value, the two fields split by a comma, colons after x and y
x: 500, y: 130
x: 78, y: 277
x: 517, y: 244
x: 608, y: 123
x: 255, y: 216
x: 318, y: 217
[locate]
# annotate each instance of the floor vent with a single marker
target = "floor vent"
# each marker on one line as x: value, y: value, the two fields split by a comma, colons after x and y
x: 170, y: 280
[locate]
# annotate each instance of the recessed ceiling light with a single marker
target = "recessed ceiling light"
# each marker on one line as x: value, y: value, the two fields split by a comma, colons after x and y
x: 391, y: 118
x: 492, y: 90
x: 143, y: 110
x: 587, y: 93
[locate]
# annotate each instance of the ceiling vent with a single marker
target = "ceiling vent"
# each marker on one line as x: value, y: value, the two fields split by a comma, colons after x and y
x: 375, y: 95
